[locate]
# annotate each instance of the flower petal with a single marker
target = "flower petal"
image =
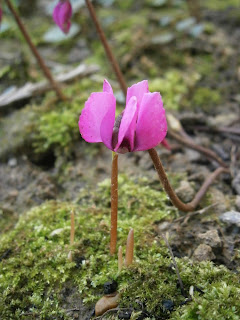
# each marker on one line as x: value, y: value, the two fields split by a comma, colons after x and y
x: 151, y: 126
x: 127, y: 127
x: 137, y: 90
x: 107, y: 87
x: 62, y: 15
x: 98, y: 105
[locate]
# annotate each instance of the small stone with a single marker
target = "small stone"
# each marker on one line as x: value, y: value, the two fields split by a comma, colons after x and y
x: 203, y: 253
x: 210, y: 238
x: 185, y: 191
x: 56, y: 232
x: 106, y: 303
x: 236, y: 183
x: 231, y: 218
x: 164, y: 226
x: 168, y: 305
x: 12, y: 162
x: 110, y: 287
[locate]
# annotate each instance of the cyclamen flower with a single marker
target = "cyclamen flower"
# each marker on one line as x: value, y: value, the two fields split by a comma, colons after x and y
x: 62, y: 14
x: 141, y: 126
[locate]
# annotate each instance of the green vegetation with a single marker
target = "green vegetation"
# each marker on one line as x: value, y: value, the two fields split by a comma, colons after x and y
x: 35, y: 271
x: 205, y: 98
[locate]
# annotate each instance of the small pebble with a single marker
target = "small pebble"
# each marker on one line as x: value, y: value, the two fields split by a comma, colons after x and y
x: 110, y: 287
x: 210, y: 238
x: 231, y: 218
x: 168, y: 305
x: 203, y: 253
x: 12, y: 162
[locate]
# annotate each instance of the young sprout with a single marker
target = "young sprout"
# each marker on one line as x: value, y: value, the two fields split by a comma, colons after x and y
x: 120, y: 258
x: 129, y: 248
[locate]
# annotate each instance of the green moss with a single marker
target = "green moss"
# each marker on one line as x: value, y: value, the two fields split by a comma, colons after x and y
x: 206, y: 98
x: 36, y: 270
x: 221, y: 5
x: 173, y: 87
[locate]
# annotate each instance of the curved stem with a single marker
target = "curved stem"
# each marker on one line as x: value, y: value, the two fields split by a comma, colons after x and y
x: 107, y: 48
x: 207, y: 152
x: 190, y: 206
x: 39, y: 59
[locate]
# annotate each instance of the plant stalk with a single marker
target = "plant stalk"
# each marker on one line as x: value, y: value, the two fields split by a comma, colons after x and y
x: 107, y: 48
x: 190, y: 206
x: 39, y: 59
x: 114, y: 204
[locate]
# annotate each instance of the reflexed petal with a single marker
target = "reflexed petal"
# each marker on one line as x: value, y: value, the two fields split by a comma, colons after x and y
x: 137, y: 90
x: 127, y: 126
x: 97, y: 107
x: 151, y: 126
x: 107, y: 87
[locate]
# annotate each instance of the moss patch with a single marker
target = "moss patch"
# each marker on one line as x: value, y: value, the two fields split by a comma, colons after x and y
x: 36, y: 272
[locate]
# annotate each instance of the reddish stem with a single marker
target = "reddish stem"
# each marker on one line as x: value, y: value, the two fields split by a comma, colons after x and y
x: 39, y: 59
x: 114, y: 204
x: 186, y: 207
x: 107, y: 48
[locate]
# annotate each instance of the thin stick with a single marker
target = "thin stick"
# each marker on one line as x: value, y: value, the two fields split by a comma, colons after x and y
x: 120, y: 259
x: 107, y: 48
x: 39, y: 59
x: 72, y: 232
x: 207, y: 152
x: 186, y: 207
x: 175, y: 264
x: 129, y: 248
x: 114, y: 203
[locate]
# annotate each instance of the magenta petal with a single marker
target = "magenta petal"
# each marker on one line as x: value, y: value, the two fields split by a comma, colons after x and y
x: 151, y: 126
x: 127, y: 126
x: 62, y: 15
x: 107, y: 87
x: 0, y: 15
x: 137, y: 90
x: 98, y: 105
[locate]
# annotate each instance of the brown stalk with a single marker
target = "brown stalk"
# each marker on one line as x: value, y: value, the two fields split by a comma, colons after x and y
x: 190, y: 206
x: 39, y: 59
x: 129, y: 248
x: 107, y: 48
x: 114, y: 204
x: 207, y: 152
x: 72, y: 232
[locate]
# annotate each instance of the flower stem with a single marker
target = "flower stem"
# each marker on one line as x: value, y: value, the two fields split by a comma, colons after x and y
x: 107, y: 48
x: 39, y: 59
x: 114, y: 204
x: 190, y: 206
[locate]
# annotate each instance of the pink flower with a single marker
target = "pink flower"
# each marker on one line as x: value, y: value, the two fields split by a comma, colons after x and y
x: 141, y: 126
x: 0, y: 16
x: 62, y: 14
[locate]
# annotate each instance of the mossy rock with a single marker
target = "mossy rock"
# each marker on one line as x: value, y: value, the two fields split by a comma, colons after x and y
x: 36, y: 274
